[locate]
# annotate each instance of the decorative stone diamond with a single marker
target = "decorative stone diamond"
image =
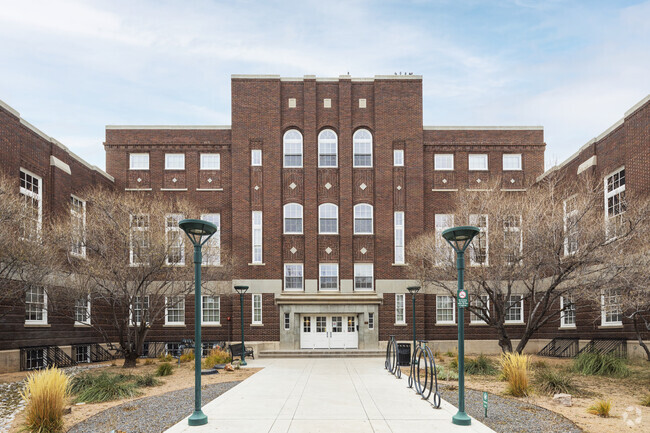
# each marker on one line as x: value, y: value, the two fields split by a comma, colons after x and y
x: 139, y: 180
x: 293, y: 250
x: 512, y: 181
x: 444, y: 181
x: 363, y: 250
x: 328, y: 250
x: 174, y: 180
x: 399, y: 187
x: 363, y: 186
x: 292, y: 185
x: 257, y: 187
x: 328, y: 185
x: 209, y: 180
x: 478, y: 180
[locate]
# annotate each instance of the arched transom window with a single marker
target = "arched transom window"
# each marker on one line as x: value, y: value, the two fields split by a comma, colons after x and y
x: 363, y: 219
x: 293, y: 218
x: 327, y: 148
x: 362, y: 144
x: 292, y: 144
x: 328, y: 219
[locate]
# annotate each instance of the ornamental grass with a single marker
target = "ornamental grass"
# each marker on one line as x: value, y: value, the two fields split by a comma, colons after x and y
x: 45, y: 392
x: 514, y: 369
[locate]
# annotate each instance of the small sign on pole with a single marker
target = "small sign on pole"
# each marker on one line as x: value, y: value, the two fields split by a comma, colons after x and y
x: 463, y: 301
x: 485, y: 402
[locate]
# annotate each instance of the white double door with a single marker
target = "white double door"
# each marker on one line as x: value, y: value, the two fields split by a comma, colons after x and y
x: 337, y: 331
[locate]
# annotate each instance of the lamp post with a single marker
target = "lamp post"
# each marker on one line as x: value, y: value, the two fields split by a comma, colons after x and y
x: 459, y: 238
x: 241, y: 290
x: 413, y: 290
x: 199, y: 232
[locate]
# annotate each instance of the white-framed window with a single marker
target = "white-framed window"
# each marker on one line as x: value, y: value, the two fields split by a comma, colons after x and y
x: 513, y: 241
x: 611, y: 312
x: 31, y: 191
x: 363, y: 219
x: 78, y: 226
x: 210, y: 161
x: 173, y: 349
x: 567, y: 312
x: 515, y: 309
x: 82, y: 310
x: 371, y: 321
x: 328, y: 275
x: 175, y: 240
x: 287, y: 321
x: 175, y: 161
x: 481, y: 301
x: 306, y: 324
x: 570, y: 225
x: 445, y: 253
x: 256, y: 217
x: 82, y: 354
x: 400, y: 314
x: 256, y: 157
x: 328, y: 144
x: 478, y: 161
x: 293, y: 219
x: 174, y: 310
x: 211, y: 310
x: 292, y: 144
x: 140, y: 310
x: 35, y: 306
x: 511, y: 161
x: 35, y: 359
x: 443, y: 161
x: 445, y: 311
x: 362, y: 148
x: 328, y: 219
x: 139, y: 161
x: 212, y: 248
x: 615, y: 204
x: 479, y: 248
x: 399, y: 237
x: 293, y: 276
x: 398, y: 157
x: 257, y: 308
x: 363, y: 276
x: 140, y: 242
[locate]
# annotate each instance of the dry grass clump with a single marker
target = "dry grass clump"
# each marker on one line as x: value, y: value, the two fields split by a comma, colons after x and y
x: 216, y: 356
x: 164, y: 369
x: 514, y: 369
x: 645, y: 401
x: 551, y: 382
x: 45, y: 393
x: 600, y: 408
x: 187, y: 356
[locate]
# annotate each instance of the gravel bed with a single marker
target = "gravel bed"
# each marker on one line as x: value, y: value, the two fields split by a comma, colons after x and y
x: 507, y: 415
x: 151, y: 414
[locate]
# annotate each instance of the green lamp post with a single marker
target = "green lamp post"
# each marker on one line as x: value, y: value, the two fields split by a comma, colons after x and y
x: 459, y: 238
x: 241, y: 290
x: 199, y: 232
x: 413, y: 290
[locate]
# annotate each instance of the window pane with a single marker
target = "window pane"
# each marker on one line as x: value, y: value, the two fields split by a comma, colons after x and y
x: 256, y: 157
x: 478, y: 162
x: 444, y: 162
x: 398, y: 157
x: 174, y: 161
x: 512, y: 162
x: 210, y: 161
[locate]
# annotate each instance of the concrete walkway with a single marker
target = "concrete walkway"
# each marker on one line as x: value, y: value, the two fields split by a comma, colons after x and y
x: 325, y: 395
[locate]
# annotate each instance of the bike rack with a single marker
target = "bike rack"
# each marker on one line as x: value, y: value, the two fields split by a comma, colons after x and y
x: 392, y: 360
x: 422, y: 353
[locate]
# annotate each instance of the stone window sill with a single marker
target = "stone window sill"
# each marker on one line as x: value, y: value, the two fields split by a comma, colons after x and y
x: 37, y: 325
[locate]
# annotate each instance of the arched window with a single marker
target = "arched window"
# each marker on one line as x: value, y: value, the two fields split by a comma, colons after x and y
x: 292, y: 143
x: 293, y: 218
x: 363, y: 219
x: 362, y: 144
x: 328, y: 144
x: 328, y: 219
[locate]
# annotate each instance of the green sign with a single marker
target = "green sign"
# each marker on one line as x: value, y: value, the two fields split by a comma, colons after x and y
x: 463, y: 299
x: 485, y: 402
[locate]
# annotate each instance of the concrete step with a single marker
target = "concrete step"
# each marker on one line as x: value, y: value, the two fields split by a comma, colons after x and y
x: 320, y: 353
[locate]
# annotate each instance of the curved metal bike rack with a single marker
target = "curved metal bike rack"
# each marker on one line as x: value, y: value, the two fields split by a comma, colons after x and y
x: 392, y: 360
x: 422, y: 354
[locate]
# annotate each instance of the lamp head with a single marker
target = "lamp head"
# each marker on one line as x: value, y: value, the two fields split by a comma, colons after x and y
x: 241, y: 289
x: 460, y: 237
x: 196, y: 230
x: 413, y: 289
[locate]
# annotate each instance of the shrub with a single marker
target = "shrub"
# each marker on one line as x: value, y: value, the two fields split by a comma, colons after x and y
x: 599, y: 364
x: 444, y: 374
x: 514, y: 369
x: 45, y: 393
x: 164, y: 369
x: 101, y: 387
x: 553, y: 382
x: 600, y: 408
x: 187, y: 356
x: 645, y: 401
x: 149, y: 361
x: 480, y: 365
x: 216, y: 356
x: 147, y: 380
x: 453, y: 364
x: 165, y: 358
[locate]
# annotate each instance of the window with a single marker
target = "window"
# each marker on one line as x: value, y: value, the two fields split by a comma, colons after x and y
x: 306, y: 324
x: 570, y: 226
x: 78, y: 226
x: 511, y: 161
x: 568, y: 312
x: 176, y: 161
x: 327, y: 148
x: 210, y: 161
x: 257, y: 236
x: 256, y: 157
x: 140, y: 310
x: 212, y: 248
x: 139, y: 161
x: 445, y: 253
x: 287, y: 321
x: 175, y: 241
x: 293, y: 276
x: 82, y: 311
x: 515, y: 309
x: 292, y: 148
x: 362, y: 145
x: 293, y: 218
x: 173, y: 349
x: 400, y: 316
x: 321, y: 324
x: 482, y: 301
x: 363, y: 276
x: 174, y: 310
x: 82, y: 354
x: 512, y: 239
x: 328, y: 219
x: 35, y: 359
x: 445, y: 311
x: 399, y: 237
x: 257, y: 308
x: 139, y: 251
x: 398, y: 158
x: 31, y: 191
x: 371, y: 320
x: 363, y: 219
x: 612, y: 314
x: 615, y: 204
x: 478, y: 250
x: 478, y: 162
x: 35, y: 306
x: 211, y: 310
x: 328, y: 276
x: 443, y: 161
x: 351, y: 324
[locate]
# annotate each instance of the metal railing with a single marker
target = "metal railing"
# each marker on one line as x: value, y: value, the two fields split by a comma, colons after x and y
x: 37, y: 357
x: 392, y: 360
x: 423, y: 355
x: 607, y: 346
x: 561, y: 347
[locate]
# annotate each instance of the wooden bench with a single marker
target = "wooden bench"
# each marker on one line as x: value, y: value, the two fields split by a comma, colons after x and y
x: 235, y: 350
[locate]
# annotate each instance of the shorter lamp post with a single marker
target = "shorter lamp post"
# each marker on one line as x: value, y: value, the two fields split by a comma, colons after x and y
x: 413, y: 290
x: 199, y: 232
x: 459, y: 238
x: 241, y: 290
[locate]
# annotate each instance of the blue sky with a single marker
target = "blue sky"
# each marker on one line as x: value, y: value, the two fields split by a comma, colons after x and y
x: 70, y: 67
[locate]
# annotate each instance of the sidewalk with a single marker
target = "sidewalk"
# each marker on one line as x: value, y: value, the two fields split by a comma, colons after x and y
x: 325, y: 395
